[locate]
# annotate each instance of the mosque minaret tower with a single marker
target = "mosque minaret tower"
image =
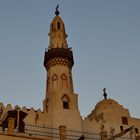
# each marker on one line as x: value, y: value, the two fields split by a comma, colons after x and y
x: 61, y: 103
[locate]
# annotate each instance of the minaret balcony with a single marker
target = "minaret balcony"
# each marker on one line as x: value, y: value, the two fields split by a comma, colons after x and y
x: 59, y: 53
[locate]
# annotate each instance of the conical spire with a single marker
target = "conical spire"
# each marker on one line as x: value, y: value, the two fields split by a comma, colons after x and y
x: 57, y: 32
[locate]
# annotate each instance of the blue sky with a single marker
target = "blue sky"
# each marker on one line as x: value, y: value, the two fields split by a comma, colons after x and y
x: 104, y: 36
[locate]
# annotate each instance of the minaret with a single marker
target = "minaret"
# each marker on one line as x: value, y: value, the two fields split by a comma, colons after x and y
x: 60, y: 104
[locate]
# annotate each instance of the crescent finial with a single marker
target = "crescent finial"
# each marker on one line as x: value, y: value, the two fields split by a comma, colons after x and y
x: 104, y: 93
x: 57, y: 12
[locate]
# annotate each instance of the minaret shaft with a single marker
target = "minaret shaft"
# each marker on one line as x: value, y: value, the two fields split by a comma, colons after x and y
x: 60, y: 98
x: 59, y: 76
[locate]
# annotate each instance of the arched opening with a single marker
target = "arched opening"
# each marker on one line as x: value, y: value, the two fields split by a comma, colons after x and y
x: 65, y: 101
x: 64, y: 80
x: 58, y: 25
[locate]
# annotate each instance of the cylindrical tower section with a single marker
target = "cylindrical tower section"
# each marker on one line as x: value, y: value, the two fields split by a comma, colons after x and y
x: 58, y: 63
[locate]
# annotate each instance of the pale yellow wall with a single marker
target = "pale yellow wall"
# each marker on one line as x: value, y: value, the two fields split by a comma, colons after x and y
x: 57, y: 115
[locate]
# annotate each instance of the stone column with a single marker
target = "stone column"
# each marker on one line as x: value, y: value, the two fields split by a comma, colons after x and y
x: 62, y: 131
x: 103, y: 135
x: 11, y: 125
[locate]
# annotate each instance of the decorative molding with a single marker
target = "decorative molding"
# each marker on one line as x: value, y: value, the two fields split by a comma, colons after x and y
x: 58, y: 61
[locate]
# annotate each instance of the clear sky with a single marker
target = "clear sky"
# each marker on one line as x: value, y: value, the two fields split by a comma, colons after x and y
x: 104, y: 36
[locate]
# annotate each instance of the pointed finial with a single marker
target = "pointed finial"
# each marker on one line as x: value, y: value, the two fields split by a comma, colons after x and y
x: 104, y: 93
x: 57, y: 12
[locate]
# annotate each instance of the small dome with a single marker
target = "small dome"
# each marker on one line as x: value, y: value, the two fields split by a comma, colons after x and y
x: 107, y: 106
x: 106, y: 103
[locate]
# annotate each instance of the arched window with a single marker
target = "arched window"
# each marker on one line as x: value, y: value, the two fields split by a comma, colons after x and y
x: 64, y: 80
x: 54, y: 81
x: 65, y: 100
x: 58, y: 25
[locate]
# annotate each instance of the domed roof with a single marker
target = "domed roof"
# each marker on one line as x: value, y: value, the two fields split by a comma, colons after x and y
x: 107, y: 106
x: 106, y: 103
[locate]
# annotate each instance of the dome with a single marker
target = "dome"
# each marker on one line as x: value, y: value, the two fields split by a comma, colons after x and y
x: 106, y: 103
x: 107, y: 106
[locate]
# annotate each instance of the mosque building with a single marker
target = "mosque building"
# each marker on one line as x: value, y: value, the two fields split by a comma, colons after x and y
x: 60, y: 117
